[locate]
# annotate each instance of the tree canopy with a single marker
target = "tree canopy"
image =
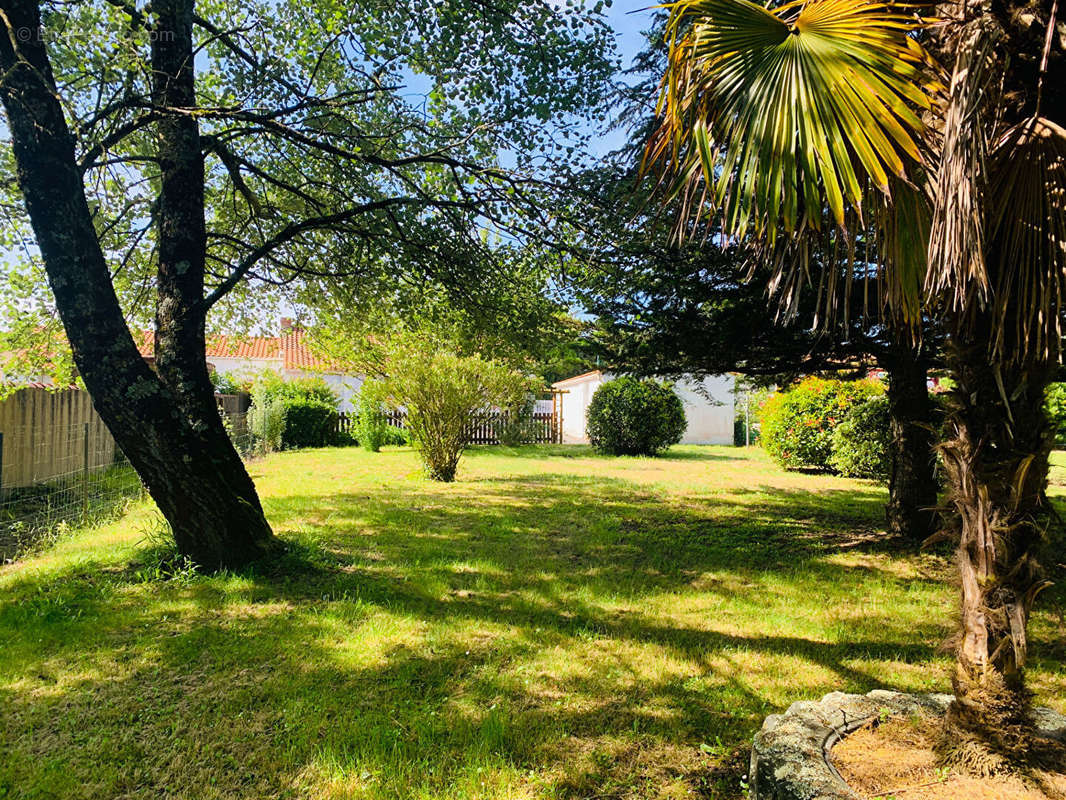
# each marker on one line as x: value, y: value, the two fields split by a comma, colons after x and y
x: 368, y: 144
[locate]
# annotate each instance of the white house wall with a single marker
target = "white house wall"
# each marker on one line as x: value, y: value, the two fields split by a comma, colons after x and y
x: 575, y: 402
x: 708, y: 407
x: 244, y: 368
x: 346, y: 386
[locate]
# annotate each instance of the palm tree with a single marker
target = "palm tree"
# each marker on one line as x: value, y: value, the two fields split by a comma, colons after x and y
x: 811, y: 124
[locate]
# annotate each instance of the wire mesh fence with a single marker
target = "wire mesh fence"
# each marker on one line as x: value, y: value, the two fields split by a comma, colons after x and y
x: 54, y: 478
x: 241, y: 435
x: 61, y: 469
x: 57, y: 477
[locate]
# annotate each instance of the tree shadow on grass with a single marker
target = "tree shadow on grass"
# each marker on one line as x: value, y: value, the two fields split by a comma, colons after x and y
x: 256, y: 702
x: 584, y: 451
x: 548, y: 634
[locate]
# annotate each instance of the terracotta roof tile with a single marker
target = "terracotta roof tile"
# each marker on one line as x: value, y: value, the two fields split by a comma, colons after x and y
x: 290, y: 349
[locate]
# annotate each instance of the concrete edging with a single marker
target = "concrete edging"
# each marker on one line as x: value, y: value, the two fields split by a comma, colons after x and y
x: 790, y: 755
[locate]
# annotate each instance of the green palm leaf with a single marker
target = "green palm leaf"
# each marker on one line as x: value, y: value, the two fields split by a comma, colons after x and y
x: 772, y: 115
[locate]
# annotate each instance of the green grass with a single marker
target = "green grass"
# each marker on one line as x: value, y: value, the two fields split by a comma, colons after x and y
x: 553, y: 625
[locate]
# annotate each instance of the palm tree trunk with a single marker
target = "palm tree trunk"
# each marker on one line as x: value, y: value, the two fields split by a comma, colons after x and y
x: 996, y: 459
x: 912, y: 485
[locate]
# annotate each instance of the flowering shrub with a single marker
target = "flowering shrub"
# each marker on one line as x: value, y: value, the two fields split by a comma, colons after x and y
x: 798, y: 423
x: 861, y: 441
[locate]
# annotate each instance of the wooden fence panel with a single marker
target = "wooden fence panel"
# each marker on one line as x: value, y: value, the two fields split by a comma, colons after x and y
x: 49, y: 434
x: 481, y: 430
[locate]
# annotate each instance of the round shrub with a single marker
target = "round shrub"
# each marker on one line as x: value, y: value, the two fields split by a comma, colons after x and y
x: 861, y: 441
x: 797, y: 424
x: 630, y: 417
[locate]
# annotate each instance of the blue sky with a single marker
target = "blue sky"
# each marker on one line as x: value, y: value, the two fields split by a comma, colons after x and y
x: 629, y: 18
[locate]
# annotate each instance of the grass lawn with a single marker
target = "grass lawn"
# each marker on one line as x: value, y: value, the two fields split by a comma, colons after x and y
x: 553, y: 625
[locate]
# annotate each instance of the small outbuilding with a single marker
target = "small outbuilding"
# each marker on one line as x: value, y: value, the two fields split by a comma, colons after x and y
x: 708, y: 405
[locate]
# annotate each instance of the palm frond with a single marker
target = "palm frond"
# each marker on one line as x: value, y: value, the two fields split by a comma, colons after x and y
x: 902, y: 227
x: 957, y: 270
x: 770, y: 116
x: 1025, y: 219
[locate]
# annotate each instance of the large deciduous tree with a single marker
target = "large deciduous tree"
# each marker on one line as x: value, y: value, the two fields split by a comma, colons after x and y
x: 807, y: 122
x: 175, y: 159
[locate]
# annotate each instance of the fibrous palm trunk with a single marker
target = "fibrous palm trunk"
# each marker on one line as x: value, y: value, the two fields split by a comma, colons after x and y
x: 996, y: 459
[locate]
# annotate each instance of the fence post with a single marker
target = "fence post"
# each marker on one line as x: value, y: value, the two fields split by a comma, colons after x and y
x: 1, y: 465
x: 747, y: 420
x: 85, y: 476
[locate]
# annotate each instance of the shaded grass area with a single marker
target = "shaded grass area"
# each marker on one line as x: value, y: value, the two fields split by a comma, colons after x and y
x: 553, y: 625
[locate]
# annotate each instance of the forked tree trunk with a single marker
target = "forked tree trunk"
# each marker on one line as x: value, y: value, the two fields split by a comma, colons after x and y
x: 996, y: 459
x: 912, y: 485
x: 192, y: 473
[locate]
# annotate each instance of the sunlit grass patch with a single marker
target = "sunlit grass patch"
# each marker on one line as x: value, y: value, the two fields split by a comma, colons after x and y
x: 556, y: 624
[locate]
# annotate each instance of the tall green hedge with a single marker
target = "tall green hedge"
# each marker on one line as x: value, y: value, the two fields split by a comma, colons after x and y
x: 308, y: 423
x: 293, y: 414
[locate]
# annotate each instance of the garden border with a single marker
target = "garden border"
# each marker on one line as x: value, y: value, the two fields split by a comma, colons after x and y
x: 790, y: 755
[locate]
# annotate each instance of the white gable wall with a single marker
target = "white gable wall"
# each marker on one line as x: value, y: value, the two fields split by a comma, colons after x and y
x: 575, y: 403
x: 708, y: 406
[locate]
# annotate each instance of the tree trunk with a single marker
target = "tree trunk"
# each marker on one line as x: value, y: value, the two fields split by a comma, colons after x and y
x: 996, y: 459
x: 180, y: 319
x: 912, y: 486
x: 196, y: 480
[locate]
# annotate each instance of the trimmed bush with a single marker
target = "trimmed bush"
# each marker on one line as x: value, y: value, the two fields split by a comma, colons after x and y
x: 344, y: 439
x: 861, y: 442
x: 797, y: 424
x: 308, y: 423
x: 292, y: 414
x: 630, y: 417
